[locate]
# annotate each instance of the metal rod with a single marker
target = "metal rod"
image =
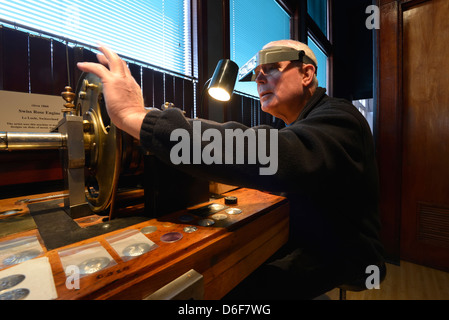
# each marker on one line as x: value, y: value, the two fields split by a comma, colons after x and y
x: 31, y: 141
x: 54, y: 196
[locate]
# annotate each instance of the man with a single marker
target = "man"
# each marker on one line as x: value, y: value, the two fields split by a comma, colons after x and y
x: 326, y: 168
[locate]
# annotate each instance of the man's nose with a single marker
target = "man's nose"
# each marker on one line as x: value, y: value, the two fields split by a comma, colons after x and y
x: 261, y: 77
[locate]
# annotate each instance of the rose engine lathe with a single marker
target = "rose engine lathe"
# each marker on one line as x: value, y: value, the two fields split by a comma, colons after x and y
x: 104, y: 168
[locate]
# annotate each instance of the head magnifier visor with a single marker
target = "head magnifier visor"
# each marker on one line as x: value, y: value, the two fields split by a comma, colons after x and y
x: 272, y: 55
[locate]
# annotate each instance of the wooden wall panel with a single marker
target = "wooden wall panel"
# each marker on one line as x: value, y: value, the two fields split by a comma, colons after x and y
x: 169, y: 89
x: 148, y: 87
x: 189, y: 98
x: 178, y: 91
x: 425, y: 148
x: 15, y: 60
x: 23, y: 167
x: 389, y: 128
x: 158, y: 85
x: 136, y: 72
x: 40, y: 57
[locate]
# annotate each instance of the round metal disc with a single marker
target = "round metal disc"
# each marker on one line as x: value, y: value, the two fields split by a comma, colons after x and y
x: 219, y: 216
x: 216, y: 206
x: 171, y: 237
x: 206, y: 222
x: 148, y: 230
x: 105, y: 149
x: 190, y: 229
x: 21, y: 257
x: 233, y: 211
x: 186, y: 218
x: 93, y: 265
x: 136, y: 249
x: 17, y: 294
x: 11, y: 281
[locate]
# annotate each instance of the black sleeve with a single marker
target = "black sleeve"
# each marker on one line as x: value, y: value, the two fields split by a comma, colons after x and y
x: 306, y: 155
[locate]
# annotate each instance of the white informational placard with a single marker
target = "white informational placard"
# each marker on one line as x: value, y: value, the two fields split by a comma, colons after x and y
x: 29, y: 112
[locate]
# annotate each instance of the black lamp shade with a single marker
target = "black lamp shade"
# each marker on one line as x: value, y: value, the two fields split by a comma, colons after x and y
x: 223, y: 80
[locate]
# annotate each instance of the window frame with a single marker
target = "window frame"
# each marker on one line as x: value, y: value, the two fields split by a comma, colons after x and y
x: 323, y: 42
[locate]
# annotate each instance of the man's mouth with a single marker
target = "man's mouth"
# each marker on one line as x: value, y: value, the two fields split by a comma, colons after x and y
x: 264, y: 94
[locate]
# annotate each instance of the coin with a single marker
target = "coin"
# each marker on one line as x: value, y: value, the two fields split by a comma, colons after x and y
x: 219, y: 216
x: 93, y: 265
x: 171, y: 237
x: 206, y: 222
x: 216, y: 206
x: 190, y: 229
x: 17, y: 294
x: 11, y: 281
x: 168, y: 224
x: 233, y: 211
x: 21, y: 257
x: 136, y: 249
x: 148, y: 229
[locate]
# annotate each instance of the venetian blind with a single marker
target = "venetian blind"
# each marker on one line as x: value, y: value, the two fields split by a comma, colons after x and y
x: 156, y: 32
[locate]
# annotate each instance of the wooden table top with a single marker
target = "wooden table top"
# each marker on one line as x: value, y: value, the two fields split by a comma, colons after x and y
x: 223, y: 253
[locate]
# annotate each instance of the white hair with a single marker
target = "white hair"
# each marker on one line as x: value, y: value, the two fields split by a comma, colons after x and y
x: 298, y: 46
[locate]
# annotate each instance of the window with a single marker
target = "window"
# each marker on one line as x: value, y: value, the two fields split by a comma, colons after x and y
x: 318, y: 38
x: 156, y: 32
x: 252, y: 26
x: 317, y: 10
x: 322, y: 62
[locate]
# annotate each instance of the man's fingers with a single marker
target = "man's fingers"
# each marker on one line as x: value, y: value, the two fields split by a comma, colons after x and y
x: 95, y: 68
x: 102, y: 59
x: 114, y: 61
x: 127, y: 71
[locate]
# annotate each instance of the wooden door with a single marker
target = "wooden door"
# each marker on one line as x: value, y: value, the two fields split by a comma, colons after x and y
x: 425, y: 134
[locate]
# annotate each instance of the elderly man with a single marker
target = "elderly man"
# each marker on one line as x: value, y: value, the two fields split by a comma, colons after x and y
x: 326, y: 167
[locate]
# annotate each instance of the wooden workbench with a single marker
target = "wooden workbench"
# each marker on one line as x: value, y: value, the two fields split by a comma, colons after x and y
x: 224, y: 253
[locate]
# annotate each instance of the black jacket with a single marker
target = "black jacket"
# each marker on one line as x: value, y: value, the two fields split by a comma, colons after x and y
x: 326, y: 168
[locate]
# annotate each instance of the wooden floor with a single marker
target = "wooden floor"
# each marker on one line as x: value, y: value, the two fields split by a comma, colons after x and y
x: 406, y: 281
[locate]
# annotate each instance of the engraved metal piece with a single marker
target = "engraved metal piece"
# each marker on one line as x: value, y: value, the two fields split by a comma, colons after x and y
x: 219, y: 216
x: 190, y: 229
x: 17, y: 294
x: 11, y: 281
x: 93, y: 265
x: 171, y: 237
x: 206, y: 222
x: 233, y: 211
x: 21, y: 257
x: 148, y: 229
x: 136, y: 249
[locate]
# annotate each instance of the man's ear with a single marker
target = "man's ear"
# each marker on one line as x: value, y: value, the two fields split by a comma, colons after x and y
x: 308, y: 71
